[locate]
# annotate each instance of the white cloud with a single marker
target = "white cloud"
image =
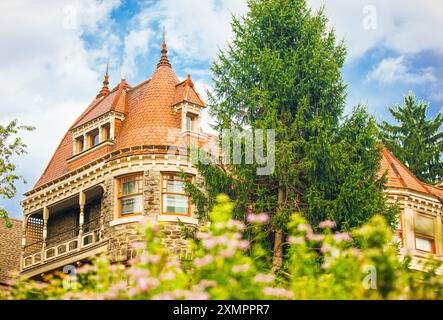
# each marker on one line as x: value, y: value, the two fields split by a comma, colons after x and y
x: 46, y: 74
x: 195, y: 29
x: 136, y: 44
x: 396, y: 70
x: 406, y: 26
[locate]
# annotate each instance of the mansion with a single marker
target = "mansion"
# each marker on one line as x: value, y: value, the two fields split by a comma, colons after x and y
x: 120, y: 161
x: 113, y: 168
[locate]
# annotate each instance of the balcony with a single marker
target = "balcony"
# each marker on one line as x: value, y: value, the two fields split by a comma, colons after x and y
x: 63, y: 233
x: 52, y: 249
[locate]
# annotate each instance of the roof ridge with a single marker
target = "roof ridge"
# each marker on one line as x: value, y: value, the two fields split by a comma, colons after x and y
x: 139, y: 85
x: 393, y: 167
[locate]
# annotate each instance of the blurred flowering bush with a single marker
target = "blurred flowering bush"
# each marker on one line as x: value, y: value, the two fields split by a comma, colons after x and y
x: 224, y: 265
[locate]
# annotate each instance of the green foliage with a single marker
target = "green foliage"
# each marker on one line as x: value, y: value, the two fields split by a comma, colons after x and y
x: 282, y: 70
x: 224, y: 265
x: 10, y: 146
x: 416, y: 141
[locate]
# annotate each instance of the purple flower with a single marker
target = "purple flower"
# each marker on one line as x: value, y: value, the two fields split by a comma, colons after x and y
x: 167, y: 276
x: 262, y: 218
x: 209, y: 243
x: 240, y: 268
x: 278, y: 292
x: 264, y: 278
x: 227, y: 253
x: 236, y: 224
x: 314, y: 237
x: 208, y: 283
x: 304, y: 227
x: 342, y: 237
x: 145, y: 284
x: 327, y: 224
x: 325, y: 248
x: 296, y: 240
x: 200, y: 262
x: 243, y: 244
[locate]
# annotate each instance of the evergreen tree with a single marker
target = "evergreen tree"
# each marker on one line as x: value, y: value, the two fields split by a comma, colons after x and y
x: 416, y: 141
x: 282, y: 70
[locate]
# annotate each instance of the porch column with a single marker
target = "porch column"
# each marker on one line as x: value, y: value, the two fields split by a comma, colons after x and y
x: 45, y: 232
x: 24, y: 223
x: 81, y: 202
x: 409, y: 232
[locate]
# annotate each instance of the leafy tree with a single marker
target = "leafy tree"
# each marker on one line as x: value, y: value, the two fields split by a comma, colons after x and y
x: 416, y: 141
x: 282, y: 70
x: 10, y: 145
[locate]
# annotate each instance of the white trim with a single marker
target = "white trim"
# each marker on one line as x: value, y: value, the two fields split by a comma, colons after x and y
x: 131, y: 219
x: 172, y: 218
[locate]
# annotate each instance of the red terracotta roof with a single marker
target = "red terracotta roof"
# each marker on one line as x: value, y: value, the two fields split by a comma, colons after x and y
x: 399, y: 176
x: 113, y: 101
x: 149, y: 116
x: 185, y: 91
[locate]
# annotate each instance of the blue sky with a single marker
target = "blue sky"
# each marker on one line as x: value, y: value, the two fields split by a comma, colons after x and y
x: 53, y: 67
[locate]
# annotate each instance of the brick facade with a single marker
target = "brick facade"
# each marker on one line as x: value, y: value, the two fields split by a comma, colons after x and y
x: 10, y: 249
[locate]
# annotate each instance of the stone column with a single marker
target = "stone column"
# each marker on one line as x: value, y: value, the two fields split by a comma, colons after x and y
x: 45, y: 232
x: 409, y: 232
x: 81, y: 202
x: 112, y: 128
x: 439, y: 237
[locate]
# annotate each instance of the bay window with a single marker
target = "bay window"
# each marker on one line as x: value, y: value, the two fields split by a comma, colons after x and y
x: 174, y: 198
x: 130, y: 195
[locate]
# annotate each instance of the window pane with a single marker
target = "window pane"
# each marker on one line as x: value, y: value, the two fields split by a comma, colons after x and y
x: 188, y: 123
x: 95, y: 140
x: 175, y: 204
x: 129, y: 187
x: 131, y: 205
x: 175, y: 185
x: 424, y: 244
x: 424, y: 225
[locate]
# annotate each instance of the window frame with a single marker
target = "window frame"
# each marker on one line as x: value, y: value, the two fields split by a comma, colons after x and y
x: 193, y: 121
x: 139, y: 177
x: 164, y: 176
x: 91, y: 136
x: 399, y: 232
x: 432, y: 240
x: 423, y: 236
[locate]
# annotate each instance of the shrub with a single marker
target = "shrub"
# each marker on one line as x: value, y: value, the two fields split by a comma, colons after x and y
x: 363, y: 264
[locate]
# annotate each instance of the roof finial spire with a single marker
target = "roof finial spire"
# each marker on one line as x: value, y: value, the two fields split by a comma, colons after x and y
x: 164, y: 58
x: 105, y: 89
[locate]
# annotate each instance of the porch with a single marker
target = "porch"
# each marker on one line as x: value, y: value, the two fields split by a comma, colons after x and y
x: 63, y: 230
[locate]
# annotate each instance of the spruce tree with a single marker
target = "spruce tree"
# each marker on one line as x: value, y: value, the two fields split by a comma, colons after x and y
x: 282, y: 70
x: 416, y: 140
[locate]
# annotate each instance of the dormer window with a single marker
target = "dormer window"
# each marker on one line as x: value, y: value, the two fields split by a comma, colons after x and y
x: 189, y: 122
x: 93, y: 138
x: 79, y: 144
x: 106, y: 132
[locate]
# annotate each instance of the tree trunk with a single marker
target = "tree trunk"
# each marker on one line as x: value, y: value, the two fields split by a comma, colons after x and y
x: 277, y: 259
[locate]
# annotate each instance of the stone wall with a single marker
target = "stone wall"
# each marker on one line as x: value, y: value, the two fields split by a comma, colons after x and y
x: 152, y: 193
x: 121, y: 237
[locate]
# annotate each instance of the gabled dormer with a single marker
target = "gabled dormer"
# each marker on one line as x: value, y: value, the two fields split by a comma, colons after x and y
x: 100, y: 124
x: 189, y: 105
